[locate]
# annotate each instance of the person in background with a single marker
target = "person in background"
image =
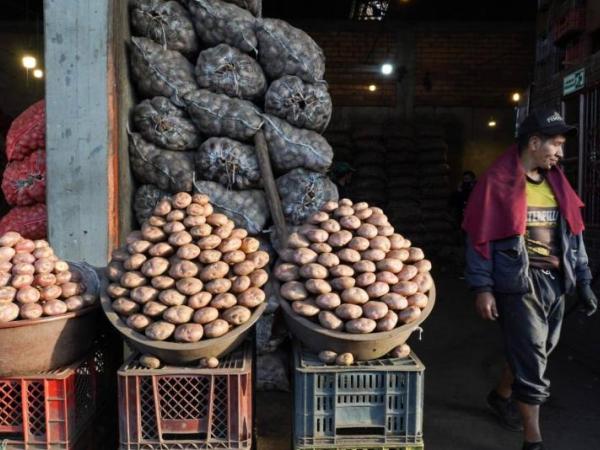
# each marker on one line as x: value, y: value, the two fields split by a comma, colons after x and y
x: 525, y: 251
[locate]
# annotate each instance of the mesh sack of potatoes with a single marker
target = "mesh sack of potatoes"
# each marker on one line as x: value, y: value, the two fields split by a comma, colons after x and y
x: 228, y: 162
x: 286, y: 50
x: 400, y: 157
x: 291, y: 147
x: 188, y: 274
x: 158, y: 71
x: 349, y: 271
x: 248, y: 209
x: 168, y: 170
x: 401, y: 170
x: 254, y: 6
x: 145, y: 199
x: 36, y: 283
x: 435, y: 181
x: 402, y: 182
x: 435, y: 192
x: 394, y: 145
x: 161, y: 122
x: 304, y: 105
x: 428, y: 170
x: 167, y: 23
x: 218, y: 22
x: 404, y: 193
x: 303, y: 193
x: 432, y: 156
x: 226, y: 70
x: 220, y: 115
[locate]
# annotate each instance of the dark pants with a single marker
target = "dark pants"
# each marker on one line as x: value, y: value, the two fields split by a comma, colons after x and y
x: 531, y: 325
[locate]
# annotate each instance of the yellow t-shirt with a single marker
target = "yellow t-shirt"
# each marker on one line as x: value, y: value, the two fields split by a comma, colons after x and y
x: 543, y: 215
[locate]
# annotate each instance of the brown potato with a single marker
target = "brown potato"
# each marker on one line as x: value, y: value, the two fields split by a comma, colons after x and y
x: 23, y: 269
x: 361, y: 326
x: 244, y: 268
x: 8, y: 312
x: 259, y: 278
x: 206, y: 315
x: 304, y: 256
x: 341, y: 271
x: 141, y: 295
x: 379, y: 220
x: 317, y: 236
x: 216, y: 328
x: 201, y: 199
x: 297, y: 240
x: 196, y: 210
x: 345, y: 359
x: 343, y: 211
x: 155, y: 267
x: 230, y: 245
x: 149, y: 362
x: 424, y: 281
x: 375, y: 310
x: 238, y: 315
x: 340, y: 239
x: 327, y: 356
x: 396, y: 241
x: 355, y: 295
x: 138, y: 322
x: 156, y: 221
x: 176, y: 215
x: 25, y: 246
x: 348, y: 311
x: 321, y: 248
x: 192, y: 221
x: 365, y: 279
x: 188, y: 251
x: 181, y: 200
x: 240, y: 284
x: 214, y: 271
x: 423, y: 266
x: 415, y: 254
x: 260, y: 259
x: 162, y: 249
x: 208, y: 209
x: 225, y: 231
x: 159, y: 331
x: 388, y: 322
x: 29, y: 311
x: 314, y: 271
x: 328, y: 301
x: 387, y: 277
x: 224, y: 301
x: 350, y: 222
x: 359, y: 244
x: 373, y: 255
x: 183, y: 269
x: 139, y: 247
x: 181, y: 238
x: 367, y: 231
x: 360, y: 206
x: 395, y: 302
x: 162, y: 282
x: 418, y: 299
x: 342, y: 283
x: 119, y: 254
x: 331, y: 226
x: 220, y: 286
x: 407, y: 273
x: 380, y: 243
x: 152, y: 234
x: 189, y: 332
x: 405, y: 288
x: 410, y: 314
x: 21, y: 258
x: 154, y: 309
x: 329, y: 206
x: 234, y: 257
x: 62, y: 266
x: 75, y: 303
x: 217, y: 220
x: 28, y: 294
x: 364, y: 214
x: 19, y: 281
x: 293, y: 291
x: 394, y: 266
x: 51, y: 293
x: 378, y: 289
x: 199, y: 300
x: 178, y: 315
x: 401, y: 255
x: 251, y: 298
x: 122, y: 306
x: 201, y: 231
x: 239, y: 233
x: 402, y: 351
x: 171, y: 297
x: 135, y: 262
x: 318, y: 217
x: 209, y: 242
x: 328, y: 260
x: 173, y: 227
x: 329, y: 320
x: 348, y: 255
x: 71, y: 289
x: 189, y: 286
x: 10, y: 239
x: 318, y: 286
x: 209, y: 256
x: 163, y: 207
x: 305, y: 308
x: 250, y: 245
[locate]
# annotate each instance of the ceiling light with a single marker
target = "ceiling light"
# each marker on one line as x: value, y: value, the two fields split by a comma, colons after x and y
x: 29, y: 62
x: 492, y: 123
x: 38, y: 73
x: 516, y: 97
x: 372, y: 88
x: 387, y: 69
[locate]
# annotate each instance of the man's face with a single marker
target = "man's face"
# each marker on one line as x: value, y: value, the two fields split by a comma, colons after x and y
x: 547, y: 153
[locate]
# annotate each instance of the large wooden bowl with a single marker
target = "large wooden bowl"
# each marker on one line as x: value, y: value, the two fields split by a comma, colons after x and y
x: 364, y: 347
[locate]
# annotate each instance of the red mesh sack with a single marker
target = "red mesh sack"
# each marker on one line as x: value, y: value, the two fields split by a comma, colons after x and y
x: 24, y: 182
x: 27, y: 133
x: 30, y: 221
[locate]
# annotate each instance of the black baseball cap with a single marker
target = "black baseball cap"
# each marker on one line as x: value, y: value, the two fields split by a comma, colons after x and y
x: 548, y: 122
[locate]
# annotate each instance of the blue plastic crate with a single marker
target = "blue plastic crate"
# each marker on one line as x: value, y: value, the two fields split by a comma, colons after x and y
x: 372, y: 404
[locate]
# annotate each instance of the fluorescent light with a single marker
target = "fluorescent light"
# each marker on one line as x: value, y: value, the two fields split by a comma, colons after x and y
x: 387, y: 69
x: 38, y: 73
x: 372, y: 88
x: 29, y: 62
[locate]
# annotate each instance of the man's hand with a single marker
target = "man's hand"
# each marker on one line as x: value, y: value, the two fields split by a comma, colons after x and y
x: 485, y: 303
x: 588, y: 300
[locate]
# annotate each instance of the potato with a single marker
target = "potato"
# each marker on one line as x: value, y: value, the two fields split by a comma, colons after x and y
x: 173, y: 227
x: 209, y: 242
x: 364, y: 214
x: 29, y: 311
x: 208, y: 363
x: 329, y: 320
x: 241, y: 284
x: 27, y: 294
x: 153, y: 234
x: 188, y: 251
x: 395, y: 302
x: 234, y: 257
x: 43, y: 252
x: 208, y: 209
x: 50, y: 293
x: 155, y: 267
x: 134, y: 262
x: 189, y: 332
x: 379, y: 220
x: 219, y: 286
x: 355, y: 295
x: 402, y: 351
x: 400, y: 255
x: 415, y: 254
x: 206, y: 315
x: 373, y: 255
x: 192, y: 221
x: 159, y: 331
x: 259, y: 278
x: 305, y: 308
x: 287, y: 255
x: 375, y: 310
x: 380, y: 243
x: 178, y: 315
x: 396, y: 241
x: 304, y: 256
x: 350, y: 222
x: 225, y: 231
x: 176, y: 216
x: 360, y: 326
x: 314, y: 271
x: 217, y: 220
x: 183, y: 269
x: 394, y: 266
x: 132, y: 237
x: 149, y: 362
x: 405, y: 288
x: 343, y: 211
x: 317, y: 236
x: 139, y: 247
x: 329, y: 206
x: 5, y: 266
x: 181, y: 238
x: 61, y: 266
x: 210, y: 256
x: 25, y: 246
x: 321, y: 248
x: 119, y: 254
x: 181, y: 200
x: 154, y: 309
x: 244, y: 268
x: 331, y: 226
x: 189, y: 286
x: 239, y: 233
x: 339, y: 239
x: 171, y: 297
x: 75, y: 303
x: 10, y: 239
x: 238, y: 315
x: 327, y: 260
x: 348, y: 255
x: 5, y: 278
x: 359, y: 244
x: 122, y: 306
x: 141, y: 295
x: 23, y: 258
x: 19, y: 281
x: 367, y: 231
x: 365, y: 279
x: 387, y: 322
x: 162, y: 282
x: 407, y: 273
x: 410, y: 314
x: 70, y: 289
x: 424, y: 281
x: 418, y: 299
x: 259, y: 258
x: 156, y: 221
x: 328, y: 301
x: 230, y: 245
x: 195, y: 210
x: 341, y: 271
x: 318, y: 217
x: 161, y: 249
x: 296, y: 240
x: 201, y: 231
x: 423, y: 266
x: 89, y: 299
x: 216, y: 328
x: 250, y: 245
x: 327, y: 356
x: 23, y: 269
x: 163, y: 207
x: 224, y: 301
x: 378, y: 289
x: 251, y: 298
x: 214, y: 271
x: 8, y: 312
x: 318, y: 286
x: 201, y: 199
x: 345, y: 359
x: 387, y: 277
x: 377, y: 210
x: 199, y: 300
x: 348, y: 311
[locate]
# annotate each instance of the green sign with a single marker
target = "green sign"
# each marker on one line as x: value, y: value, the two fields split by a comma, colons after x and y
x: 573, y: 82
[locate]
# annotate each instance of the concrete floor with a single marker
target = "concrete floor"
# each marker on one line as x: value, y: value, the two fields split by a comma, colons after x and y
x: 463, y: 356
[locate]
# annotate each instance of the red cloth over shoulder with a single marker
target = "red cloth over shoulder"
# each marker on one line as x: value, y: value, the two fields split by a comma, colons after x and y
x: 497, y: 207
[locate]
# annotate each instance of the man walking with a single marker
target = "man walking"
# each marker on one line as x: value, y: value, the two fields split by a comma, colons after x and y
x: 525, y: 250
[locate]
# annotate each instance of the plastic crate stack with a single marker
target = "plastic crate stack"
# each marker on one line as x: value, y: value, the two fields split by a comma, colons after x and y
x: 54, y: 409
x: 187, y: 407
x: 369, y: 182
x: 375, y: 405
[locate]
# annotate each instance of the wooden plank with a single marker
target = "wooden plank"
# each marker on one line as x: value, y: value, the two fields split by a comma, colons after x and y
x: 270, y: 187
x: 78, y: 145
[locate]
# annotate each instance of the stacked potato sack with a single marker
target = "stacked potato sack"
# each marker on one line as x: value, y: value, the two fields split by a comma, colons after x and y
x: 24, y: 180
x: 369, y: 182
x: 34, y: 282
x: 340, y: 140
x: 206, y: 98
x: 349, y: 271
x: 189, y: 274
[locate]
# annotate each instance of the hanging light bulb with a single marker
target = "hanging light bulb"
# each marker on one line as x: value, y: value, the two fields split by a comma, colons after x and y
x: 387, y: 69
x: 372, y: 88
x: 29, y: 62
x: 38, y: 73
x: 492, y: 123
x: 516, y: 97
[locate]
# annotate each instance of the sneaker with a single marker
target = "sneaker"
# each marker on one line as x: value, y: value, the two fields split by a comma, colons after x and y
x: 506, y: 411
x: 533, y: 446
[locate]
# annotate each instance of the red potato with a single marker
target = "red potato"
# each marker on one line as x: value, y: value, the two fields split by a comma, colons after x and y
x: 19, y: 281
x: 8, y: 312
x: 375, y: 310
x: 6, y: 266
x: 44, y: 265
x: 5, y: 279
x: 71, y: 289
x: 55, y: 308
x: 20, y: 258
x: 10, y: 239
x: 402, y: 351
x: 30, y: 311
x: 25, y: 246
x: 138, y: 322
x: 23, y: 269
x: 61, y: 266
x: 28, y: 294
x: 43, y: 252
x: 44, y: 280
x: 75, y: 303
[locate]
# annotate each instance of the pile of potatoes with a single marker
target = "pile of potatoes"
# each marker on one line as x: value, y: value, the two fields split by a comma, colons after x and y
x: 349, y: 271
x: 188, y: 274
x: 34, y: 282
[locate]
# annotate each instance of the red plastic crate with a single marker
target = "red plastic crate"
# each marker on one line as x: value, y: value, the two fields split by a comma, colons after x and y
x: 187, y: 407
x: 51, y: 410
